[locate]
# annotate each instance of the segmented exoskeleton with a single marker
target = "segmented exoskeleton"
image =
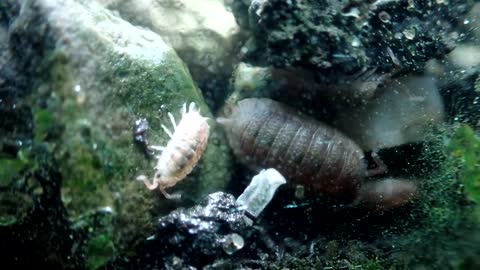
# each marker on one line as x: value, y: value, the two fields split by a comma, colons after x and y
x: 180, y: 155
x: 264, y: 133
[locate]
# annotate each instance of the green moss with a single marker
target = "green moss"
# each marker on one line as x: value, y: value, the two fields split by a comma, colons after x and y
x: 85, y: 183
x: 16, y: 200
x: 464, y: 147
x: 99, y: 246
x: 14, y: 206
x: 9, y: 169
x: 84, y: 179
x: 43, y: 121
x: 456, y: 153
x: 442, y: 223
x: 12, y: 168
x: 318, y: 263
x: 441, y: 192
x: 99, y: 251
x: 373, y: 264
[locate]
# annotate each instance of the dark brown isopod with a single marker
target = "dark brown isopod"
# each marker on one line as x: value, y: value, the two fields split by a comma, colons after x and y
x: 264, y: 133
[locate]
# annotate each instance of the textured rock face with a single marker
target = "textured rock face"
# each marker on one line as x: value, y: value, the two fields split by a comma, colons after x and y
x: 75, y: 78
x: 194, y: 237
x: 93, y: 75
x: 344, y: 37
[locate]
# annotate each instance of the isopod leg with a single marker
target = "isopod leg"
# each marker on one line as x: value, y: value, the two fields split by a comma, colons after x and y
x: 167, y: 131
x: 381, y: 167
x: 192, y: 107
x: 150, y: 185
x: 172, y: 119
x: 184, y: 108
x: 175, y: 196
x: 157, y: 148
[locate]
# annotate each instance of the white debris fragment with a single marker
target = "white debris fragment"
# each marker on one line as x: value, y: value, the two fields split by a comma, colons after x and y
x: 260, y: 191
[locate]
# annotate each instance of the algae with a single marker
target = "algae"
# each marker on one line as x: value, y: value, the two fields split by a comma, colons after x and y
x: 97, y: 229
x: 9, y: 169
x: 443, y: 225
x: 464, y: 147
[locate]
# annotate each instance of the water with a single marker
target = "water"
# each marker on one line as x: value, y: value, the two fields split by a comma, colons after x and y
x: 369, y: 110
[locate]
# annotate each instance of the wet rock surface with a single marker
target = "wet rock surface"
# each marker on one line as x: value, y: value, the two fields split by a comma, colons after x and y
x: 203, y: 33
x: 344, y: 37
x: 15, y: 115
x: 81, y: 79
x: 194, y: 237
x: 78, y: 85
x: 460, y: 88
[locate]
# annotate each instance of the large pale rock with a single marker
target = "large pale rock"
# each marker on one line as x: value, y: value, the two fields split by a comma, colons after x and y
x: 204, y: 34
x: 95, y: 75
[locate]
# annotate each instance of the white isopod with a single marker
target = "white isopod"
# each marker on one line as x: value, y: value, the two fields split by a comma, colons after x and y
x: 186, y: 146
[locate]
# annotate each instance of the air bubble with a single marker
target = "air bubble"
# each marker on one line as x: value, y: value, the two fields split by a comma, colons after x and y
x: 409, y: 33
x: 232, y: 243
x: 384, y: 17
x: 356, y: 42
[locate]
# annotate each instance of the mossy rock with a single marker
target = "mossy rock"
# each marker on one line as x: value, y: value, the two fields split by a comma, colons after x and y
x: 95, y: 75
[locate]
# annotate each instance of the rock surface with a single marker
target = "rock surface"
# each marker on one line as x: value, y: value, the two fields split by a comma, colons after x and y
x: 93, y: 75
x: 196, y: 236
x: 337, y: 38
x: 203, y: 33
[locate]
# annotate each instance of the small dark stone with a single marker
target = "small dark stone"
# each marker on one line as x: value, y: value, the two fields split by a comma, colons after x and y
x: 194, y: 236
x: 140, y: 136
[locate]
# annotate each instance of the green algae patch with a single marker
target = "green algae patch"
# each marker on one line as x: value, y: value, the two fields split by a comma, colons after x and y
x: 43, y: 120
x: 444, y: 223
x: 165, y: 88
x: 452, y: 190
x: 19, y: 192
x: 9, y: 169
x: 12, y: 168
x: 100, y: 249
x: 317, y: 262
x: 464, y: 147
x: 14, y: 206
